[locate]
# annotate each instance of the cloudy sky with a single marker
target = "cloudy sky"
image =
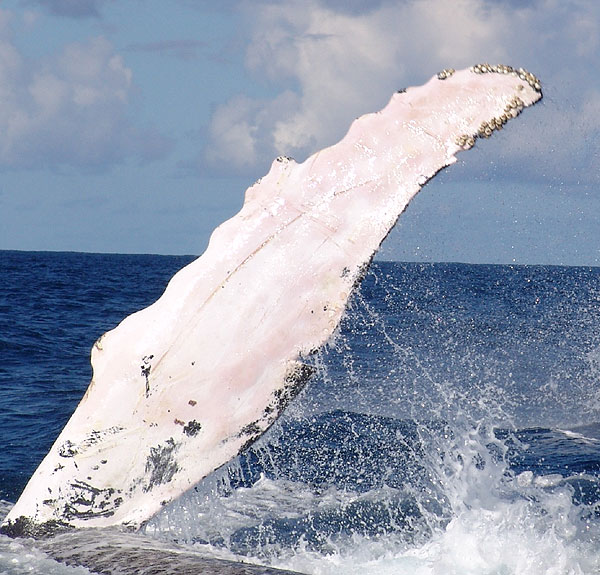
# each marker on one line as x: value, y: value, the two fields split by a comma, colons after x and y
x: 137, y: 126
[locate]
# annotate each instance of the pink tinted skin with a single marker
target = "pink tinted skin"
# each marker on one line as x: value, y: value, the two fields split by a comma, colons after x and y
x: 182, y: 386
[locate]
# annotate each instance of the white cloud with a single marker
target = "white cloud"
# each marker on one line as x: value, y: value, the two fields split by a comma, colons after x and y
x: 346, y: 64
x: 68, y: 109
x: 232, y: 132
x: 242, y: 128
x: 336, y: 64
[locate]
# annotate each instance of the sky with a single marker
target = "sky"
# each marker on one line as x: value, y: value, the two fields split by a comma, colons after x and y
x: 136, y: 126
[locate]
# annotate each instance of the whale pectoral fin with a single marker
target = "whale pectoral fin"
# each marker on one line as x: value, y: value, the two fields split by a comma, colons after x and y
x: 183, y: 386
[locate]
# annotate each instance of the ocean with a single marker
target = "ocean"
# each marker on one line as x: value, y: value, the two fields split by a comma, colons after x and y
x: 452, y: 426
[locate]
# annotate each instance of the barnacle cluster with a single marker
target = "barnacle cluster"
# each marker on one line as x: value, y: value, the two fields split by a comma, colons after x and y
x: 465, y: 141
x: 512, y: 109
x: 445, y: 73
x: 521, y: 73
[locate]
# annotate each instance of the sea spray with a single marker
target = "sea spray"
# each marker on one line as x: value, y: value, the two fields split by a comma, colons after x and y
x: 512, y: 352
x: 416, y: 449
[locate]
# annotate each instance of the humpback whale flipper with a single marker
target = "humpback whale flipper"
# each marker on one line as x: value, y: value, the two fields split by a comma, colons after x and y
x: 179, y: 388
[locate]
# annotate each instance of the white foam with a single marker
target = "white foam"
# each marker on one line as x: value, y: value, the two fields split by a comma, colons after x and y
x: 511, y: 538
x: 18, y: 557
x: 501, y: 524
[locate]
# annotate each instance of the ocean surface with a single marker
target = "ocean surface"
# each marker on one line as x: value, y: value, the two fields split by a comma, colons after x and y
x: 453, y: 425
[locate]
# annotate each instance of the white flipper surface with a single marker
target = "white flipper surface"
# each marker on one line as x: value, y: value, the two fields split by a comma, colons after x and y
x: 182, y: 386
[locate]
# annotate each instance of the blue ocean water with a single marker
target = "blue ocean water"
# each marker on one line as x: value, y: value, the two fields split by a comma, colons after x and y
x: 453, y: 425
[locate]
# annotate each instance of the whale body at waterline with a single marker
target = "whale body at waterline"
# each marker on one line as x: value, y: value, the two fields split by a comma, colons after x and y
x: 181, y: 387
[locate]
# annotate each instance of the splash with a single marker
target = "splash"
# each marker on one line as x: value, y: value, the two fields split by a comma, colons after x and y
x: 183, y: 386
x: 398, y: 459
